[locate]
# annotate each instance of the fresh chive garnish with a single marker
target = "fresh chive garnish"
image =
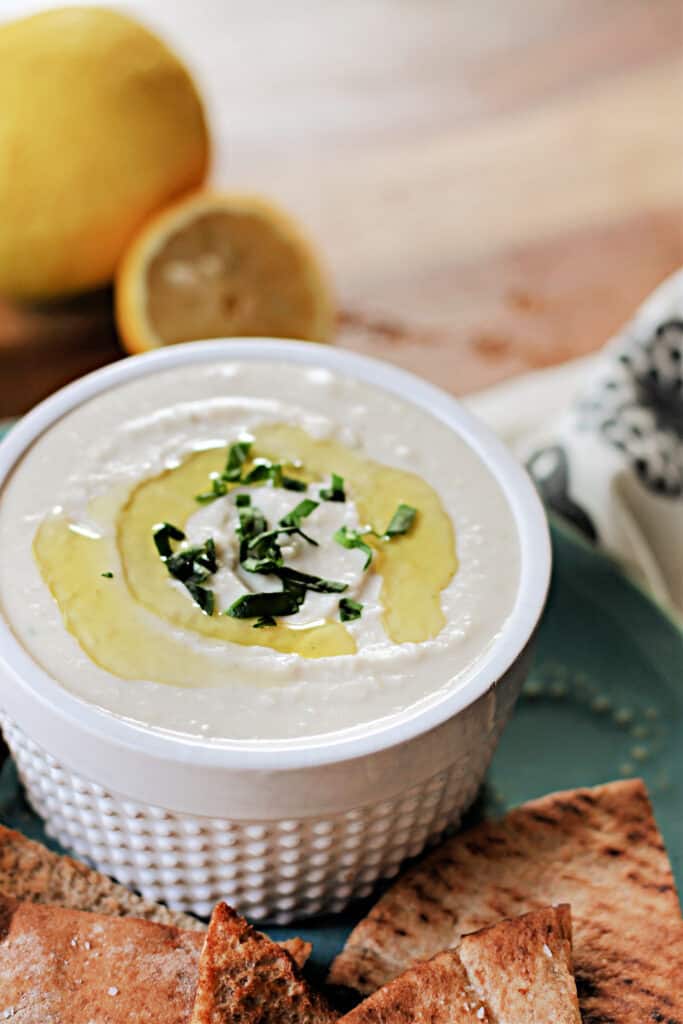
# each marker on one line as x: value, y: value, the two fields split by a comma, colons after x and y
x: 302, y: 511
x: 192, y: 562
x: 237, y: 456
x: 276, y: 474
x: 335, y: 492
x: 290, y: 483
x: 401, y: 521
x: 163, y: 534
x: 349, y: 609
x: 259, y: 549
x: 269, y: 605
x: 265, y: 547
x: 349, y: 538
x: 265, y: 620
x: 201, y: 596
x: 315, y: 583
x: 219, y: 489
x: 266, y: 566
x: 242, y: 500
x: 267, y: 538
x: 293, y: 578
x: 191, y: 566
x: 252, y: 522
x: 107, y: 575
x: 261, y: 470
x: 294, y: 587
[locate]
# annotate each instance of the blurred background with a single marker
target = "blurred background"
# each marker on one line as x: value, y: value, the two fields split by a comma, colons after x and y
x: 493, y: 187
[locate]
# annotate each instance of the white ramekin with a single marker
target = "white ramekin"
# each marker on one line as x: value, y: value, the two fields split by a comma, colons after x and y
x: 279, y: 833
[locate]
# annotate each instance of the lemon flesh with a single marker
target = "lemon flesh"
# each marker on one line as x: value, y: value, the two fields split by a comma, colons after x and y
x: 217, y: 266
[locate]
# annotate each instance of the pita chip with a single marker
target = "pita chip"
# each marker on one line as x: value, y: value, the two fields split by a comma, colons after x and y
x: 244, y: 976
x: 515, y: 972
x: 29, y: 872
x: 598, y: 850
x: 70, y: 967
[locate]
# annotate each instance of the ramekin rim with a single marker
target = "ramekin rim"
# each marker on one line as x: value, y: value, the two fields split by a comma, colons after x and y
x: 529, y: 516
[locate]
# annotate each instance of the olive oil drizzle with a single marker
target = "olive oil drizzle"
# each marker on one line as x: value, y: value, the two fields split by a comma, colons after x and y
x: 133, y: 623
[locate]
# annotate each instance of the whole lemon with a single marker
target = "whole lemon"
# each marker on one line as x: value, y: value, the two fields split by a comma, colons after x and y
x: 100, y: 125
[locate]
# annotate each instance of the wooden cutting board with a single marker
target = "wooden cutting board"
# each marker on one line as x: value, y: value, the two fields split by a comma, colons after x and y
x: 495, y: 186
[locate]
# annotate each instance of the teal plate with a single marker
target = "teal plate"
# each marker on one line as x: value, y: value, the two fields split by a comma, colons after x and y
x: 604, y: 701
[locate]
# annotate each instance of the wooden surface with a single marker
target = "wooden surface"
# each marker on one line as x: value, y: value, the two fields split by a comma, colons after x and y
x: 495, y: 185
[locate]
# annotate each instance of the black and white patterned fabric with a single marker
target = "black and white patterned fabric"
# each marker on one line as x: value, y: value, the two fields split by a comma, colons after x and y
x: 611, y: 463
x: 638, y: 406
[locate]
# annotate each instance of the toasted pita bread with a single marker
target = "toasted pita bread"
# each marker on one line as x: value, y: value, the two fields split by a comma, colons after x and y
x: 299, y: 950
x: 435, y: 991
x: 245, y: 977
x: 72, y: 967
x: 522, y: 968
x: 30, y: 872
x: 596, y: 849
x: 515, y: 972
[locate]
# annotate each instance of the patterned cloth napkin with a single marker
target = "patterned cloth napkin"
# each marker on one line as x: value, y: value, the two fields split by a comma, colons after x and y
x: 603, y: 440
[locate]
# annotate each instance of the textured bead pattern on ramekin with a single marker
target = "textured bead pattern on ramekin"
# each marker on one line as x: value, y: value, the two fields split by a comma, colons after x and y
x: 269, y: 870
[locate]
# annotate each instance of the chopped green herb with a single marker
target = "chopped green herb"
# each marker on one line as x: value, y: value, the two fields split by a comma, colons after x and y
x: 201, y: 596
x: 237, y: 456
x: 266, y: 565
x: 302, y: 511
x: 261, y: 552
x: 191, y: 566
x: 290, y: 483
x: 193, y: 562
x: 265, y: 620
x: 207, y: 557
x: 265, y: 542
x: 349, y: 538
x: 242, y: 500
x: 252, y: 523
x: 294, y: 587
x: 107, y: 575
x: 335, y: 492
x: 257, y: 606
x: 315, y: 583
x: 349, y: 609
x: 218, y: 489
x: 401, y: 521
x: 280, y: 479
x: 275, y: 474
x: 265, y: 546
x: 163, y: 534
x: 261, y: 470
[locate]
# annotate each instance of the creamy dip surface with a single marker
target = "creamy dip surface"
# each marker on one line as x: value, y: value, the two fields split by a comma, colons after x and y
x: 86, y: 592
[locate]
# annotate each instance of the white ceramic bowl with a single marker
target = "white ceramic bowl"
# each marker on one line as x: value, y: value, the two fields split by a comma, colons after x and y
x: 279, y: 833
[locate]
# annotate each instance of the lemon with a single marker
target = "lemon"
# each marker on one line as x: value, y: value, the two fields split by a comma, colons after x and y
x: 220, y: 266
x: 100, y: 125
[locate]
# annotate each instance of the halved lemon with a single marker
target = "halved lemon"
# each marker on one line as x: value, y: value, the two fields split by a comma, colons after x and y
x: 215, y: 266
